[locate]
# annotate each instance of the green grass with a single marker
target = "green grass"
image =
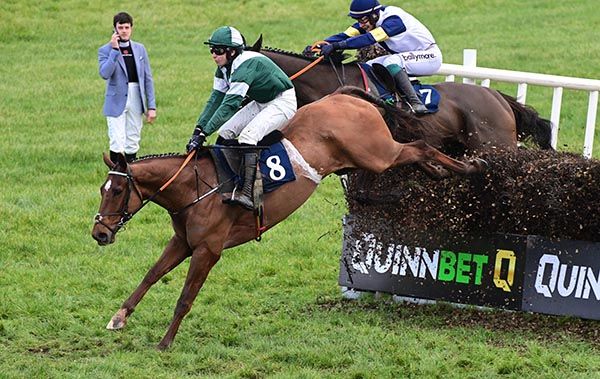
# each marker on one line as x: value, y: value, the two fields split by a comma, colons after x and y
x: 268, y: 309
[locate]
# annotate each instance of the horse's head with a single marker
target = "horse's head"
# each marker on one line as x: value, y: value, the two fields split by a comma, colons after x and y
x: 120, y: 200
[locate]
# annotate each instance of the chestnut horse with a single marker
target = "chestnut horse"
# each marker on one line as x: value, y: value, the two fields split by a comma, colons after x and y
x: 324, y: 137
x: 471, y: 119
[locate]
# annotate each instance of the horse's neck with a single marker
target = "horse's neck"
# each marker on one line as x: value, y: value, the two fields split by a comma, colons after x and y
x: 291, y: 63
x: 288, y: 63
x: 151, y: 174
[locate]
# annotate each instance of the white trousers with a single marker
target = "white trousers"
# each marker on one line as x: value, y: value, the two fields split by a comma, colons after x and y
x: 125, y: 131
x: 255, y: 120
x: 422, y: 62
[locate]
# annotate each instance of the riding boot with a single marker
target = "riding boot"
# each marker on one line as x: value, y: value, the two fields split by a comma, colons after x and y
x: 406, y: 90
x: 130, y: 157
x: 245, y: 196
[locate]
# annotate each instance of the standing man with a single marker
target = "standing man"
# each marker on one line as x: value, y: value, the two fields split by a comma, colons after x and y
x: 411, y: 48
x: 242, y: 74
x: 125, y: 66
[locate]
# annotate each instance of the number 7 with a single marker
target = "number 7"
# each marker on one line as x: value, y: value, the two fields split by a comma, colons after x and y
x: 427, y: 93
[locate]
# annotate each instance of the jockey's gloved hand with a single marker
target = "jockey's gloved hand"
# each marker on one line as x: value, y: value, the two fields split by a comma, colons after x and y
x: 327, y: 50
x: 197, y: 140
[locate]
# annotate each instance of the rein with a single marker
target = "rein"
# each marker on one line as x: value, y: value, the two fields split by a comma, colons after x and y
x: 341, y: 80
x: 308, y: 67
x: 187, y: 159
x: 316, y: 62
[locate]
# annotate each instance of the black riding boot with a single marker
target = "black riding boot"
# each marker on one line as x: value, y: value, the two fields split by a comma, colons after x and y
x: 130, y: 157
x: 406, y: 90
x: 245, y: 196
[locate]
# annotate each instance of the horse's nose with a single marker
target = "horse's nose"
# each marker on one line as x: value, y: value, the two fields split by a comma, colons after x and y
x: 101, y: 237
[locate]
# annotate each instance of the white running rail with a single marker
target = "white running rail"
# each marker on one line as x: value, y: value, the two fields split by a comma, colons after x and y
x: 470, y: 72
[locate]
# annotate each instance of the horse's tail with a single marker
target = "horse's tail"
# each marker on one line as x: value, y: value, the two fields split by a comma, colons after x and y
x: 530, y: 124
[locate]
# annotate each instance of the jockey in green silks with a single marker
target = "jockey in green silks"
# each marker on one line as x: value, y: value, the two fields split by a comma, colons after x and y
x: 241, y: 74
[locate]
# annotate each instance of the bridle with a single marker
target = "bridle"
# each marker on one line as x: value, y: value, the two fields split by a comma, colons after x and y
x: 125, y: 214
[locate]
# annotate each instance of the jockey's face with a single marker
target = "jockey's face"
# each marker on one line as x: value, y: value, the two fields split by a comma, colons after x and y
x: 368, y: 22
x: 219, y: 55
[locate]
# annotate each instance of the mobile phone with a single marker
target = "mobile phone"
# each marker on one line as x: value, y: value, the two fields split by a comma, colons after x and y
x: 115, y: 31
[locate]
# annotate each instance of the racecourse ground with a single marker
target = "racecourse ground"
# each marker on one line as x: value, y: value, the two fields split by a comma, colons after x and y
x: 271, y: 308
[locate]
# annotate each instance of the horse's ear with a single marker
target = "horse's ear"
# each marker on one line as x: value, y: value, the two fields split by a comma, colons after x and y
x: 121, y: 162
x: 258, y: 44
x: 107, y: 160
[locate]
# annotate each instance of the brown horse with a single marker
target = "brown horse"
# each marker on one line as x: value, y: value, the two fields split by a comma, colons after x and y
x: 323, y: 138
x: 471, y: 119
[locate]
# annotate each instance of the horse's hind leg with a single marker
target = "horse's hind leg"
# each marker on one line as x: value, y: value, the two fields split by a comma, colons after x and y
x: 175, y: 252
x: 433, y: 171
x: 201, y: 263
x: 419, y: 151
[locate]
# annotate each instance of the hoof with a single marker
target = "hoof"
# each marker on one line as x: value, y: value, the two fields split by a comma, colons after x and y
x: 118, y: 321
x: 481, y: 163
x: 162, y: 346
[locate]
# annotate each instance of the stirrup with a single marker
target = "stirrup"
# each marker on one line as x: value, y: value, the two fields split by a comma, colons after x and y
x: 248, y: 205
x: 242, y: 201
x: 234, y: 199
x: 227, y: 198
x: 414, y: 111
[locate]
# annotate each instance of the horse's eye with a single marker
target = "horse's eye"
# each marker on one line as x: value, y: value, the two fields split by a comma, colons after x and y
x: 117, y: 191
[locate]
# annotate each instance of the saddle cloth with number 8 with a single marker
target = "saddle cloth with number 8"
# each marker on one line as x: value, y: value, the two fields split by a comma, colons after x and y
x: 274, y: 162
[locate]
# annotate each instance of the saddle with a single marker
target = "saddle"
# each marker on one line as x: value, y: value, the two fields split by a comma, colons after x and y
x: 382, y: 84
x: 274, y: 166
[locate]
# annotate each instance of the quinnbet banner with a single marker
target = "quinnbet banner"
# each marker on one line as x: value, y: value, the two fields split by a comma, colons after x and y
x: 529, y: 273
x: 478, y: 272
x: 562, y: 278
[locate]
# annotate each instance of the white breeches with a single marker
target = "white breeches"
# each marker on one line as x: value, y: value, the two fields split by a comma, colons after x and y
x: 255, y: 120
x: 421, y: 63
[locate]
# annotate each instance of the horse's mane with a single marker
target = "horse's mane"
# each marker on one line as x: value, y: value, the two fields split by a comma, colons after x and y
x: 288, y: 53
x: 200, y: 153
x: 337, y: 56
x: 163, y: 155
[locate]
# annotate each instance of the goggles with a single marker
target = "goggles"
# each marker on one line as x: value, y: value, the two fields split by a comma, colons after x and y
x: 218, y: 50
x: 363, y: 20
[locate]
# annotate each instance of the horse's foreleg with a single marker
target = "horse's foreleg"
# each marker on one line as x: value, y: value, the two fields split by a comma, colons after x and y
x: 201, y: 263
x: 175, y: 252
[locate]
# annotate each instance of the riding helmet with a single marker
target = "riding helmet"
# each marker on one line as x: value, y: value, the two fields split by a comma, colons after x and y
x: 361, y: 8
x: 226, y: 36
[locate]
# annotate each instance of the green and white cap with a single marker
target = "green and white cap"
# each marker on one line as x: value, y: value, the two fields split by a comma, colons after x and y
x: 226, y: 36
